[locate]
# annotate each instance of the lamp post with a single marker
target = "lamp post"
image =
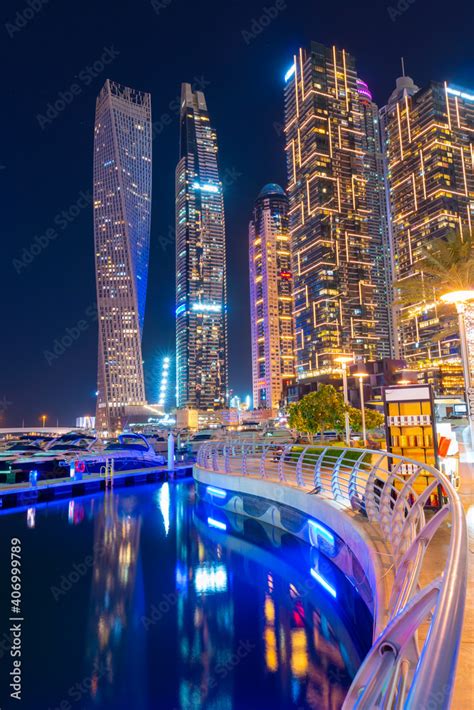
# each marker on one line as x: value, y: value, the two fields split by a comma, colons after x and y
x: 43, y: 419
x: 460, y: 299
x: 344, y: 360
x: 361, y: 375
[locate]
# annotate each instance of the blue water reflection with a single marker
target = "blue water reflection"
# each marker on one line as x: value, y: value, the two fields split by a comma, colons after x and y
x: 147, y: 598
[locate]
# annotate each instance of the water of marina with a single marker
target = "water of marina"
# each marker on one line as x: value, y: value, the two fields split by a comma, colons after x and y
x: 144, y: 598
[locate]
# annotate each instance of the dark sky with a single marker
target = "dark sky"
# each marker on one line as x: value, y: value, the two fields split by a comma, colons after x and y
x: 47, y: 267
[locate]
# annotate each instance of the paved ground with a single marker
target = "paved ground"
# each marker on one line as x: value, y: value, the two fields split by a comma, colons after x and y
x: 464, y: 688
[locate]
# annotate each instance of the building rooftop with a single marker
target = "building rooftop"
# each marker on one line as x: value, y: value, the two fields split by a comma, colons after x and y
x: 271, y: 188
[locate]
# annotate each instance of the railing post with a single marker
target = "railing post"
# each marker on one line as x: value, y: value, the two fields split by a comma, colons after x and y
x: 215, y: 465
x: 261, y: 466
x: 356, y: 502
x: 317, y: 470
x: 335, y: 484
x: 299, y: 467
x: 225, y: 451
x: 244, y: 460
x: 371, y: 507
x: 281, y: 461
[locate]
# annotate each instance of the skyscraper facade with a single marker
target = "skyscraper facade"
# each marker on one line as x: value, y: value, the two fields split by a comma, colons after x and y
x: 429, y: 145
x: 377, y: 226
x: 122, y: 210
x: 334, y: 214
x: 201, y: 307
x: 271, y: 298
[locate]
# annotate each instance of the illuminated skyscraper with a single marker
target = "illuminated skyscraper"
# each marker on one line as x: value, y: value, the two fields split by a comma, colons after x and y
x: 335, y: 213
x: 429, y: 145
x: 201, y: 317
x: 377, y: 224
x: 122, y: 207
x: 271, y: 300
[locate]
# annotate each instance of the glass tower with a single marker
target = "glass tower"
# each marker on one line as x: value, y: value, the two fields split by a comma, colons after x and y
x: 201, y: 317
x: 430, y: 160
x: 271, y: 298
x: 122, y: 207
x: 377, y: 224
x: 335, y: 214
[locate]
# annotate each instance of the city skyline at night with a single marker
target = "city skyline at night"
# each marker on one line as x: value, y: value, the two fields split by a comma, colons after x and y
x: 59, y: 214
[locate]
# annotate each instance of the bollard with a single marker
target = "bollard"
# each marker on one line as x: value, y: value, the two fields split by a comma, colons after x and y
x: 34, y: 477
x: 170, y: 451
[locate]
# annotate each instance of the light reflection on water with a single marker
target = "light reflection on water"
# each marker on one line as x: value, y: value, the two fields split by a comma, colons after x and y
x: 135, y: 600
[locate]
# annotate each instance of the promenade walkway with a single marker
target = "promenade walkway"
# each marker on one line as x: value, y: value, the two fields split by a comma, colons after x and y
x: 464, y: 688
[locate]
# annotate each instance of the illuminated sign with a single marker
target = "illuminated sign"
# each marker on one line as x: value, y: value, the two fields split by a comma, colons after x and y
x: 207, y: 307
x: 210, y: 579
x: 218, y: 492
x: 213, y: 523
x: 290, y: 72
x: 206, y: 187
x: 461, y: 94
x: 321, y: 531
x: 323, y: 583
x: 285, y: 274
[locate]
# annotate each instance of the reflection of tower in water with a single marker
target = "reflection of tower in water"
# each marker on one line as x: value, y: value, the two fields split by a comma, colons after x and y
x: 302, y: 648
x: 115, y: 566
x: 205, y: 617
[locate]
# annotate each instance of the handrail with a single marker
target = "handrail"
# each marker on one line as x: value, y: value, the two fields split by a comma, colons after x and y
x: 386, y: 489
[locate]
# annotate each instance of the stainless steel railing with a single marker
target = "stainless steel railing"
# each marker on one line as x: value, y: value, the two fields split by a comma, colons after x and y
x: 394, y: 493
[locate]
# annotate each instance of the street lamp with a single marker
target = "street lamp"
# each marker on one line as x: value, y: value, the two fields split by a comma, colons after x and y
x: 43, y: 418
x: 344, y: 361
x: 361, y: 374
x: 460, y: 299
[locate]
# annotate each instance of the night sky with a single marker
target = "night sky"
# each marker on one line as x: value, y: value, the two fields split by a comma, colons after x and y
x: 47, y: 266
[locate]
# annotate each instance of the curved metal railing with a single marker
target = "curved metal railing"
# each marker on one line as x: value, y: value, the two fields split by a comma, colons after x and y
x: 395, y: 494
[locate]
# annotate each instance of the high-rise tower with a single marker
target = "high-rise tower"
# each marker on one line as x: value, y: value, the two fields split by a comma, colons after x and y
x: 336, y: 236
x: 201, y: 317
x: 122, y: 209
x: 377, y: 225
x: 428, y: 136
x: 271, y: 299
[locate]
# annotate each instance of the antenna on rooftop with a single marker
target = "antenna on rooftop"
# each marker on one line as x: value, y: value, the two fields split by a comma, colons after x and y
x: 403, y: 66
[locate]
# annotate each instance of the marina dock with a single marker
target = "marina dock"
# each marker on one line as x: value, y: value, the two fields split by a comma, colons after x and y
x: 19, y: 495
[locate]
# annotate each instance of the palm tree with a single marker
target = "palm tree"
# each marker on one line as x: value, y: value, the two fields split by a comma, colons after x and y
x: 445, y: 277
x: 444, y: 265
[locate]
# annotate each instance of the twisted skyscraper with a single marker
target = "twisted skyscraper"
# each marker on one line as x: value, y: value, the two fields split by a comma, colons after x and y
x: 201, y: 318
x: 122, y: 209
